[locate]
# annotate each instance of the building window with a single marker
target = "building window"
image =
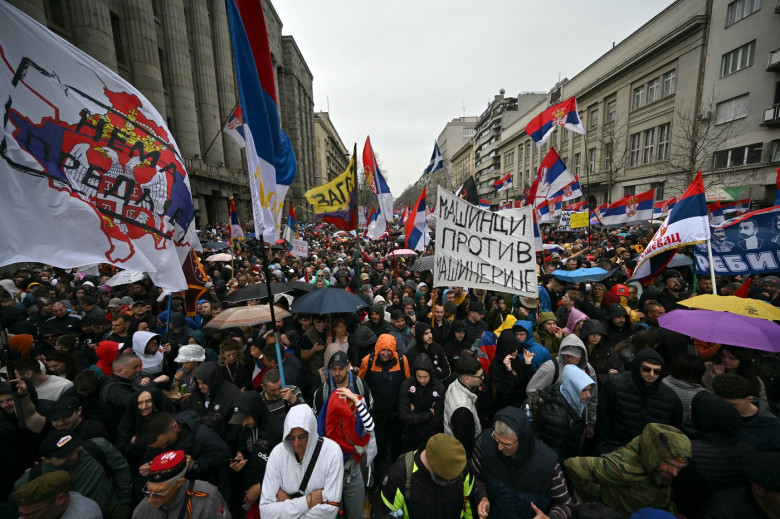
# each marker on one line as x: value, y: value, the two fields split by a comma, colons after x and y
x: 670, y: 83
x: 735, y: 157
x: 594, y: 118
x: 647, y: 157
x: 738, y: 59
x: 652, y: 90
x: 639, y: 97
x: 659, y: 190
x: 509, y: 159
x: 629, y: 190
x: 634, y: 153
x: 732, y: 109
x: 577, y: 163
x: 775, y: 153
x: 608, y: 150
x: 739, y: 9
x: 663, y: 141
x: 554, y: 138
x: 592, y: 160
x: 611, y: 110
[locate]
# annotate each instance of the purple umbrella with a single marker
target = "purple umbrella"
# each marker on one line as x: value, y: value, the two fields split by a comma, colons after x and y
x: 724, y: 328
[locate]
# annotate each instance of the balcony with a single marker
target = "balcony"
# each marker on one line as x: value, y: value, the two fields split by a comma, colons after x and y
x: 774, y: 61
x: 771, y: 116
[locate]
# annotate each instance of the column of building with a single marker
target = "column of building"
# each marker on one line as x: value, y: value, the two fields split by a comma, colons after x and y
x: 144, y: 52
x: 90, y: 22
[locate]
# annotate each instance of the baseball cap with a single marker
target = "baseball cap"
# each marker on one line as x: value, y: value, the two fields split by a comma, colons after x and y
x: 396, y: 314
x: 114, y: 302
x: 477, y: 306
x: 57, y: 444
x: 338, y: 359
x: 167, y: 465
x: 771, y: 281
x: 364, y: 277
x: 64, y: 407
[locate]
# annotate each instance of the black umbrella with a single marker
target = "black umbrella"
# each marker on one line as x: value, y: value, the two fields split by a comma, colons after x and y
x: 423, y: 263
x: 260, y: 290
x: 216, y: 245
x: 328, y: 301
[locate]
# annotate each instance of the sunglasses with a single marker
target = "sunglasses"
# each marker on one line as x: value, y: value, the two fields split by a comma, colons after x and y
x: 654, y: 371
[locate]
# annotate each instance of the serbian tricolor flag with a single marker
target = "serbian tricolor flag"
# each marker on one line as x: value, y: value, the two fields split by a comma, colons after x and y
x: 555, y: 205
x: 564, y: 114
x: 715, y: 210
x: 416, y: 227
x: 663, y: 207
x: 236, y: 232
x: 503, y: 183
x: 291, y: 231
x: 578, y: 206
x: 484, y: 204
x: 571, y: 191
x: 376, y: 180
x: 630, y: 209
x: 552, y: 180
x: 235, y: 127
x: 686, y: 224
x: 404, y: 215
x: 269, y: 154
x: 739, y: 206
x: 542, y: 212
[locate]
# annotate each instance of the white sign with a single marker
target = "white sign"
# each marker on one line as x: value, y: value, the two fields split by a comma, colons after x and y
x: 362, y: 223
x: 564, y: 222
x: 476, y: 248
x: 299, y: 248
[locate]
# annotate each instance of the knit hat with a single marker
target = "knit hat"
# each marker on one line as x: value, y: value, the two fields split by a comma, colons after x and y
x: 167, y: 465
x: 42, y: 488
x: 446, y: 456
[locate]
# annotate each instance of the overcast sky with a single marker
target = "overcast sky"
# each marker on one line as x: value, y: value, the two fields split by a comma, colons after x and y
x: 400, y: 70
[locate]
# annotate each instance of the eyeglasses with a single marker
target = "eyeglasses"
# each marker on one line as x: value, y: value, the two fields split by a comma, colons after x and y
x: 156, y: 495
x: 481, y: 377
x: 300, y: 438
x: 648, y: 369
x: 506, y: 445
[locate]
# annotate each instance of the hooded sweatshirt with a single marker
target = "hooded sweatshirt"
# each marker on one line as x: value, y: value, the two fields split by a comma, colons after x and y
x: 541, y: 354
x: 601, y: 356
x: 434, y: 352
x: 284, y: 471
x: 256, y: 443
x: 152, y: 364
x: 420, y: 424
x: 575, y: 316
x: 545, y: 338
x: 216, y: 408
x: 549, y: 374
x: 623, y: 479
x: 107, y: 351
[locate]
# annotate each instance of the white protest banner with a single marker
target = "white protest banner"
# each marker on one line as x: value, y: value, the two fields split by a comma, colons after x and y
x: 362, y: 223
x: 564, y: 222
x: 476, y: 248
x: 299, y: 248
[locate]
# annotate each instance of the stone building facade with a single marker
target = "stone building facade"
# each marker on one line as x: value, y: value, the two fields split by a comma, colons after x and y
x: 332, y: 156
x: 178, y: 54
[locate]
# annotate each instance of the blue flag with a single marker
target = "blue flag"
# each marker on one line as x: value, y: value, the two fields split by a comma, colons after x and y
x: 436, y: 162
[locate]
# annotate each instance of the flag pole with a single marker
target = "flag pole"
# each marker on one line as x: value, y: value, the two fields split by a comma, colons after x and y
x: 357, y: 218
x: 220, y: 131
x: 271, y: 302
x: 712, y: 267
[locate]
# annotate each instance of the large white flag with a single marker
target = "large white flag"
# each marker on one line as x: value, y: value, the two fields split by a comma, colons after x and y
x: 89, y: 172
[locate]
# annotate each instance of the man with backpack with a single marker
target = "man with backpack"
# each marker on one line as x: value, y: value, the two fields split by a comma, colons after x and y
x: 434, y: 482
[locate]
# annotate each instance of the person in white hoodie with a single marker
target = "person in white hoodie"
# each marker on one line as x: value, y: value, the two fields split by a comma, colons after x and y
x: 147, y: 346
x: 281, y: 496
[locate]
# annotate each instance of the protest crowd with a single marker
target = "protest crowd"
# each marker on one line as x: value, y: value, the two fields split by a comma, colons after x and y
x: 427, y: 401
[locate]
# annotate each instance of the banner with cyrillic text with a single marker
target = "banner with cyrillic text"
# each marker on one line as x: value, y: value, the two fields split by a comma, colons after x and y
x: 476, y: 248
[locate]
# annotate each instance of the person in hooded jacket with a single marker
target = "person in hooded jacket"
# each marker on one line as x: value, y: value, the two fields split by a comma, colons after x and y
x: 521, y: 474
x: 572, y: 352
x: 601, y: 356
x: 424, y: 344
x: 632, y: 399
x: 147, y: 346
x: 560, y: 412
x: 212, y: 399
x: 281, y: 496
x: 618, y: 324
x: 718, y: 456
x: 574, y: 322
x: 635, y: 476
x: 524, y: 333
x: 421, y: 403
x: 548, y: 333
x: 260, y: 433
x: 457, y: 342
x: 510, y: 370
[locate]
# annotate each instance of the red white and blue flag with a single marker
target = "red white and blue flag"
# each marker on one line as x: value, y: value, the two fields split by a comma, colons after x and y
x: 503, y: 183
x: 236, y: 232
x: 686, y: 224
x: 291, y: 232
x: 235, y: 127
x: 377, y: 181
x: 630, y: 209
x: 269, y: 154
x: 542, y: 212
x: 89, y: 171
x: 663, y: 207
x: 416, y: 227
x: 484, y: 204
x: 563, y: 114
x: 578, y: 206
x: 553, y: 179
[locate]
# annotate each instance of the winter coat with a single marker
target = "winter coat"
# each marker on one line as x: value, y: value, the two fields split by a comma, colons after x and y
x: 220, y: 399
x: 541, y: 354
x: 622, y: 479
x: 256, y: 443
x: 616, y: 334
x: 601, y: 356
x: 434, y: 352
x: 132, y: 424
x: 549, y: 374
x: 457, y: 397
x: 420, y: 424
x: 206, y: 503
x: 510, y: 385
x: 284, y: 471
x: 384, y: 378
x: 545, y: 338
x: 685, y: 391
x: 627, y: 405
x: 559, y: 419
x: 718, y: 454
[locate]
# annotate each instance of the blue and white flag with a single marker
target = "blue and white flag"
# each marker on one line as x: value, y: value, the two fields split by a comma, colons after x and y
x: 437, y: 162
x: 748, y: 244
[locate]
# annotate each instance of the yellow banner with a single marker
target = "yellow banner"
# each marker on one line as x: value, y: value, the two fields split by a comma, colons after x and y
x: 334, y: 196
x: 579, y: 220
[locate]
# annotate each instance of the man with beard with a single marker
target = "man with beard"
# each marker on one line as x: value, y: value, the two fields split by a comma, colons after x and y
x: 748, y: 231
x: 670, y: 294
x: 280, y: 399
x: 636, y: 476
